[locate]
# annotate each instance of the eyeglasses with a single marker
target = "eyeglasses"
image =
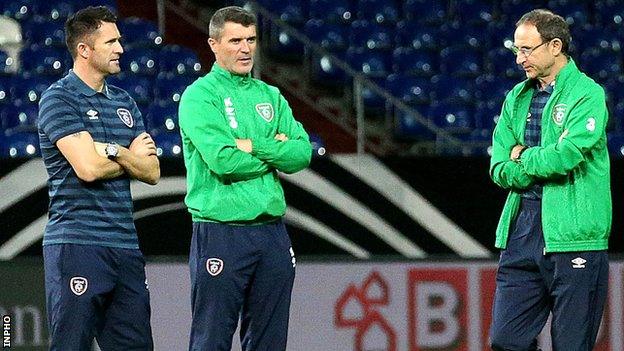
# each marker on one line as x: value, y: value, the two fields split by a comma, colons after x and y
x: 526, y: 52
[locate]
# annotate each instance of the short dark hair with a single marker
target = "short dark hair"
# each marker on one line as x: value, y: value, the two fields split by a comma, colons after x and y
x: 84, y: 23
x: 233, y: 14
x: 550, y: 26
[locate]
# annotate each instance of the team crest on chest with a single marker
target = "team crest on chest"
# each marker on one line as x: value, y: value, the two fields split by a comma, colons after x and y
x: 78, y: 285
x: 214, y: 266
x: 558, y: 114
x: 265, y: 110
x: 125, y: 117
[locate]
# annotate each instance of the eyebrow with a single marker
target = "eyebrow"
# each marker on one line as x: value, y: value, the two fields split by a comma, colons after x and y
x: 112, y: 40
x: 247, y: 38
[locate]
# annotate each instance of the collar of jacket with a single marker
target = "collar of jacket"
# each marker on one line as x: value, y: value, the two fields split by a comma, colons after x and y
x: 568, y: 73
x: 234, y: 78
x: 83, y: 88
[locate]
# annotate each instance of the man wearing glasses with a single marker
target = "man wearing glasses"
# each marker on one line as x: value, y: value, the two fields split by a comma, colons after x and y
x: 549, y: 150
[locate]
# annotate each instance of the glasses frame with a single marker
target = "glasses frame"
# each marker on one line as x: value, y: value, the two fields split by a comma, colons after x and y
x: 526, y: 52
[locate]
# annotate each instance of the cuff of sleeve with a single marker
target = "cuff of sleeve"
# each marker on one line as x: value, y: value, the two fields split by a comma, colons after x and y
x: 56, y: 136
x: 258, y: 147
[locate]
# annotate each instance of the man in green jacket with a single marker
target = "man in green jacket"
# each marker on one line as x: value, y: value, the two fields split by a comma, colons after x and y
x: 549, y: 150
x: 237, y: 134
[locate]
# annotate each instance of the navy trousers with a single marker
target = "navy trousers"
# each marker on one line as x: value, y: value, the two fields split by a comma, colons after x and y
x: 240, y: 271
x: 95, y: 291
x: 531, y: 284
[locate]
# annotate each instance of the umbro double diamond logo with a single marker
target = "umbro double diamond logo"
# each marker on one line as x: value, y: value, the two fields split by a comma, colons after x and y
x: 578, y: 262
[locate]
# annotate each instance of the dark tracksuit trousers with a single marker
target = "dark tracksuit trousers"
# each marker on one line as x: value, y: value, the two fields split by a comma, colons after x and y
x: 244, y: 272
x: 531, y: 284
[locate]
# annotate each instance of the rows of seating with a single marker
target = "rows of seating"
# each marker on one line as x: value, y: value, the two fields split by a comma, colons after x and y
x: 447, y: 59
x: 155, y: 74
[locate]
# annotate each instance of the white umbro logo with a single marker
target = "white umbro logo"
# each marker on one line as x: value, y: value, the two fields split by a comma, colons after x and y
x: 578, y: 262
x: 93, y: 114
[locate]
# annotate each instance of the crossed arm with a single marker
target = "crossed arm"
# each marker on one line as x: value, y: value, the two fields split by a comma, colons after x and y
x: 88, y: 158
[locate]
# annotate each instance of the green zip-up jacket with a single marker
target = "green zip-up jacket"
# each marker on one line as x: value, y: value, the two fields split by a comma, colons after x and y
x: 225, y: 184
x: 572, y: 162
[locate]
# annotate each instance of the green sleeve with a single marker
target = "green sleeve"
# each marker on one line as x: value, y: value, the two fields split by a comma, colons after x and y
x: 204, y: 124
x: 584, y: 129
x: 289, y: 156
x: 505, y: 172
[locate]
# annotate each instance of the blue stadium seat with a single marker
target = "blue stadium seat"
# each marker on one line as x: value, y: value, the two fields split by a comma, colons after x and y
x: 601, y: 65
x: 323, y: 71
x: 57, y: 11
x: 453, y: 90
x: 139, y: 32
x: 411, y: 90
x: 318, y: 145
x: 456, y: 119
x: 461, y: 62
x: 42, y: 32
x: 21, y: 145
x: 512, y: 10
x: 140, y: 88
x: 414, y: 62
x: 140, y: 61
x: 162, y: 116
x: 615, y: 144
x: 168, y: 144
x: 609, y: 13
x: 19, y: 117
x: 474, y: 12
x: 502, y: 62
x: 426, y: 11
x: 169, y: 87
x: 418, y: 36
x: 180, y: 60
x: 371, y: 35
x: 27, y: 90
x: 21, y: 10
x: 6, y: 91
x: 330, y: 36
x: 379, y: 11
x: 45, y: 60
x: 498, y: 34
x: 6, y: 63
x: 492, y: 87
x: 371, y: 63
x: 408, y: 128
x: 332, y: 11
x: 487, y: 114
x: 461, y: 34
x: 575, y: 12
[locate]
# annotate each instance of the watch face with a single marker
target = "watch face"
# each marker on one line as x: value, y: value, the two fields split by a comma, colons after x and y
x: 111, y: 150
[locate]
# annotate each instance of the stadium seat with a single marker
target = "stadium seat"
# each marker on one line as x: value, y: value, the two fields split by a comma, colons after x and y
x: 45, y: 60
x: 487, y: 114
x: 46, y: 33
x: 418, y: 36
x: 473, y: 12
x: 492, y: 87
x: 6, y: 90
x: 332, y: 11
x: 411, y: 90
x: 371, y: 35
x: 409, y: 61
x: 57, y: 11
x: 456, y: 119
x: 371, y: 63
x: 140, y: 61
x: 21, y: 10
x: 574, y: 12
x: 168, y: 144
x: 27, y: 90
x: 601, y: 65
x: 609, y: 13
x: 502, y: 62
x: 140, y: 88
x: 461, y: 62
x: 19, y: 117
x: 425, y: 11
x: 22, y: 145
x: 324, y: 71
x: 408, y: 127
x: 615, y: 144
x: 330, y: 36
x: 380, y: 11
x: 461, y: 34
x: 139, y: 32
x: 179, y: 60
x: 169, y: 87
x: 162, y: 116
x: 453, y: 90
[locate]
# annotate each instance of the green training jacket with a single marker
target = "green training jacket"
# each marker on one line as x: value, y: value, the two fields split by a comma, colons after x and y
x: 225, y: 184
x: 572, y: 160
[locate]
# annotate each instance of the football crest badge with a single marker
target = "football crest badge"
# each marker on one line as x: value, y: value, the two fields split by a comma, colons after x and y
x: 214, y: 266
x: 265, y: 110
x: 125, y: 117
x: 78, y: 285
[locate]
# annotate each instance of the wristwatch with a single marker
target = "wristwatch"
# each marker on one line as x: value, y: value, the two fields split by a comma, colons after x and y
x: 111, y: 150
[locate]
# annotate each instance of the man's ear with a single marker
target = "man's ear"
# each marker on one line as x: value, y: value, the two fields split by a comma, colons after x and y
x: 83, y: 50
x: 557, y: 46
x: 212, y: 42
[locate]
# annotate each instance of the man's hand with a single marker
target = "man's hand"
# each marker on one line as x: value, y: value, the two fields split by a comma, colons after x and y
x: 244, y: 145
x: 281, y: 137
x: 516, y: 151
x: 100, y: 148
x: 143, y: 145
